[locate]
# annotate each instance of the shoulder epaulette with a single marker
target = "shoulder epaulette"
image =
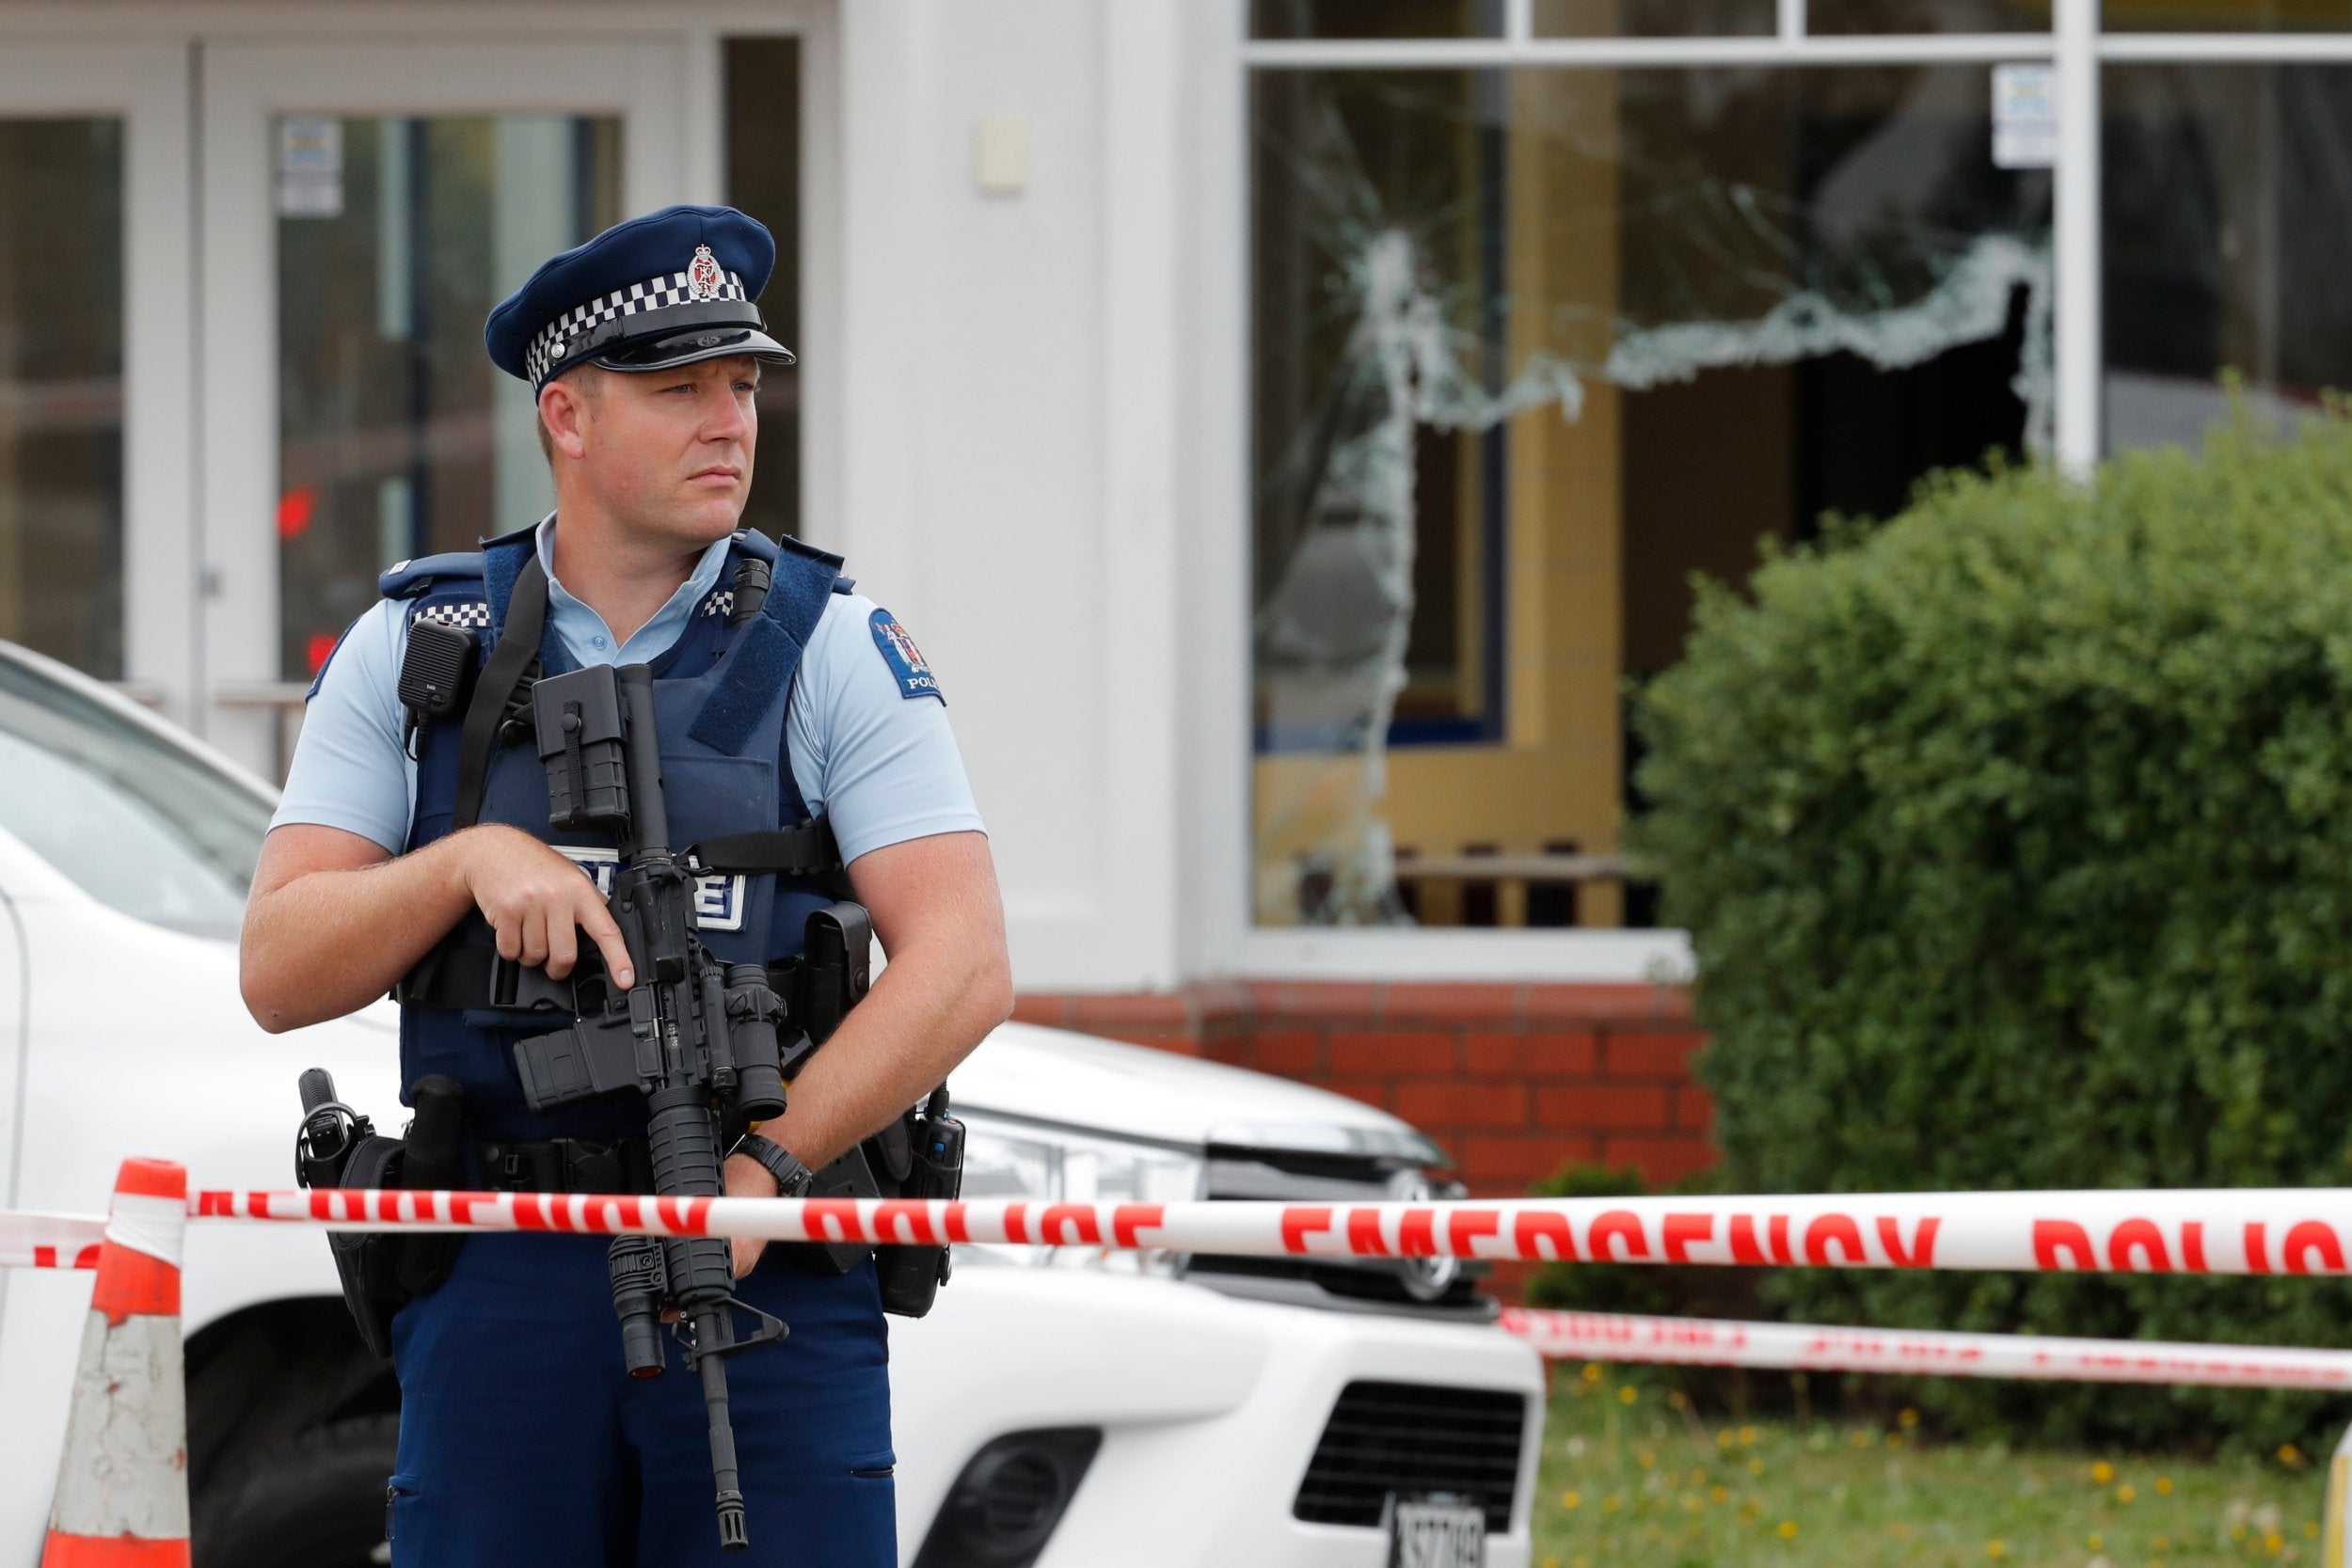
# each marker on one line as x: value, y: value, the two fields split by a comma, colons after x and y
x: 810, y: 552
x: 409, y: 579
x: 752, y: 541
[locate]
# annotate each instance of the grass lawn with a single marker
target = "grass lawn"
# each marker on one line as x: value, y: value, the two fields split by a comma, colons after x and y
x: 1633, y: 1476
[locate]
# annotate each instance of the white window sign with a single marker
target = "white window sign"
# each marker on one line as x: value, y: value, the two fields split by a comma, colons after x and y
x: 310, y: 167
x: 2025, y: 116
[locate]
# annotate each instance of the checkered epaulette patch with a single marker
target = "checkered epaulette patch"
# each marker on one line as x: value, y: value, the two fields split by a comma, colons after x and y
x: 462, y: 613
x: 722, y: 602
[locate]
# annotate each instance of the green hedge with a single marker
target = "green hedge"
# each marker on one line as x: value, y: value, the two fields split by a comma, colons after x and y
x: 2015, y: 841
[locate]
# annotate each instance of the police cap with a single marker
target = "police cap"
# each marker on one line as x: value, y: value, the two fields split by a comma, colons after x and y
x: 660, y: 291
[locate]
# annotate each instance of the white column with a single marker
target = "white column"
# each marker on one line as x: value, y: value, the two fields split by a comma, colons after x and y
x: 160, y: 568
x: 2076, y: 222
x: 532, y: 218
x: 1213, y: 577
x: 1143, y: 203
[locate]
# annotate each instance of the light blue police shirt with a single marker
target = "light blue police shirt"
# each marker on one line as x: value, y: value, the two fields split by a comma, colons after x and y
x: 881, y: 765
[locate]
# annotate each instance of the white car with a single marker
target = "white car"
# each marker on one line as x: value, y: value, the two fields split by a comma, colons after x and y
x: 1052, y: 1410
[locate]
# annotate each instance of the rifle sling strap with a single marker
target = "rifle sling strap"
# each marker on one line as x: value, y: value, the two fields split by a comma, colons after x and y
x: 805, y: 850
x: 509, y: 662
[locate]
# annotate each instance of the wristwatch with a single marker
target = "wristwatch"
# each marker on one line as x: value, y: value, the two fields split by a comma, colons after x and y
x: 793, y: 1178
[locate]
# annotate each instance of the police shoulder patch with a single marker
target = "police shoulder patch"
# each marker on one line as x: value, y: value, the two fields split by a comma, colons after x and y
x: 905, y: 658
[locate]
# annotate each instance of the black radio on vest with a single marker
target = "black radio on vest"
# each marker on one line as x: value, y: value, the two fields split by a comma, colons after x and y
x: 672, y: 1035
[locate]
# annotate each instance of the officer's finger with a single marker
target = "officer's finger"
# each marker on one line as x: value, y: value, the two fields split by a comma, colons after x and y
x: 747, y: 1249
x: 597, y: 921
x: 563, y: 945
x: 535, y: 937
x: 510, y: 933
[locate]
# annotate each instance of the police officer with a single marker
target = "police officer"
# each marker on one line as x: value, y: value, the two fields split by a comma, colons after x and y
x: 409, y: 846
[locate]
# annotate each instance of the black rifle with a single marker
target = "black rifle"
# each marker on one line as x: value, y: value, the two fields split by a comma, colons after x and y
x: 697, y: 1038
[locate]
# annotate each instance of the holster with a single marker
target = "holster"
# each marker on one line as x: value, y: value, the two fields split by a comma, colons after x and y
x: 382, y: 1269
x: 904, y: 1160
x: 911, y: 1275
x: 366, y: 1259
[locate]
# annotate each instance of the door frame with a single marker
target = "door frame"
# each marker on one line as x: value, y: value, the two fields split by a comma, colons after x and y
x: 243, y: 86
x: 146, y: 85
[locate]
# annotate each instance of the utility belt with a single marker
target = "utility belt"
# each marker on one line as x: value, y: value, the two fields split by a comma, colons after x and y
x: 918, y: 1156
x: 881, y: 1166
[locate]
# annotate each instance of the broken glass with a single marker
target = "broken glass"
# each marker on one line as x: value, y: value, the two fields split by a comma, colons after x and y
x: 1526, y: 259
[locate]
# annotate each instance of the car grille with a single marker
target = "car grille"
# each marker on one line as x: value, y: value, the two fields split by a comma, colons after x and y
x: 1374, y: 1284
x: 1409, y: 1440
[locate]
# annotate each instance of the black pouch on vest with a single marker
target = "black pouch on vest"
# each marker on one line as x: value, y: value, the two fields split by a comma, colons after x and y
x: 911, y: 1275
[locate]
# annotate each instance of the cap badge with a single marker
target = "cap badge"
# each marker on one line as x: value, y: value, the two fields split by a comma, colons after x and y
x: 703, y: 276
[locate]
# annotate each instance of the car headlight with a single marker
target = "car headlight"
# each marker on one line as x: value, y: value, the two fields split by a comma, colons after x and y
x: 1016, y: 1160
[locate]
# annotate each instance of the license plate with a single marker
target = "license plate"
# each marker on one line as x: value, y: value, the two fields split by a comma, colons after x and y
x: 1437, y: 1534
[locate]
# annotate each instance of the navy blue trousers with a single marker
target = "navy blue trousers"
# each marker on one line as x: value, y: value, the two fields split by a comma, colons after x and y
x: 523, y: 1440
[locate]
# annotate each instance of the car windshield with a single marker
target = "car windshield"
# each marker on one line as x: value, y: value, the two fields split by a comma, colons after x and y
x: 141, y: 824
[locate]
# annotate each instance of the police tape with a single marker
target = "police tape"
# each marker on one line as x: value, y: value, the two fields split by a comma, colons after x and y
x: 2203, y: 1231
x: 51, y: 1240
x: 1933, y: 1352
x: 2293, y: 1230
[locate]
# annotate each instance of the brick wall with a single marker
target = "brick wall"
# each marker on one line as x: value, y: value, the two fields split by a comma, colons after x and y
x: 1515, y: 1081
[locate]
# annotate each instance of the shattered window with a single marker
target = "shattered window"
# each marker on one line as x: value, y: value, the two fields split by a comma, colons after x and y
x: 2228, y: 200
x: 1529, y: 348
x: 1375, y: 19
x: 1633, y: 19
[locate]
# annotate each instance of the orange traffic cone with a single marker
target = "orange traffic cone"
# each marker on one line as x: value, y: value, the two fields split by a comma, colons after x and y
x: 122, y: 1486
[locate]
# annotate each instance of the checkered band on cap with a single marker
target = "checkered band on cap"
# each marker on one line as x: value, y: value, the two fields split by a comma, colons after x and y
x: 546, y: 350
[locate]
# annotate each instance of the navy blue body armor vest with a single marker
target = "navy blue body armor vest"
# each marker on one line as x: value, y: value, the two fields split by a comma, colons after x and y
x: 720, y: 695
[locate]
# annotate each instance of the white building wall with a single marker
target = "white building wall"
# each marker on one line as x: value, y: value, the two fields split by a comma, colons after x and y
x: 1002, y: 389
x: 1010, y: 387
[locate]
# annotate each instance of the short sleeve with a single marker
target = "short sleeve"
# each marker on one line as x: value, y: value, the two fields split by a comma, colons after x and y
x: 350, y: 769
x: 871, y: 749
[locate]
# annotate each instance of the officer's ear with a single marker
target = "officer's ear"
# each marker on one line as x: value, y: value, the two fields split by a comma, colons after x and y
x: 564, y: 414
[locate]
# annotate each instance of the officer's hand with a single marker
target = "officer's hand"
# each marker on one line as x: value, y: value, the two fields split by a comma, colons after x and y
x: 747, y: 1178
x: 538, y: 902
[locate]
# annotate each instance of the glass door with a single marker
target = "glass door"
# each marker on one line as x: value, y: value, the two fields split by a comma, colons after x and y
x: 366, y: 206
x: 93, y: 347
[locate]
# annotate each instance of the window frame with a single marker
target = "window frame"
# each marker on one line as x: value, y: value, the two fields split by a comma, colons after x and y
x: 1219, y: 935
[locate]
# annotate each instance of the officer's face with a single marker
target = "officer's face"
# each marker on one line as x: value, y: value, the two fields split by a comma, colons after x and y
x: 670, y: 452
